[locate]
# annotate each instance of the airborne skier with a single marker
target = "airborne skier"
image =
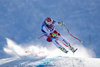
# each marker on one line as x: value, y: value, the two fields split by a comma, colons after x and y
x: 51, y: 35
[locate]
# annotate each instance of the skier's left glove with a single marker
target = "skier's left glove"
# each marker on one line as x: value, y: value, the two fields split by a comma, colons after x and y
x: 60, y: 23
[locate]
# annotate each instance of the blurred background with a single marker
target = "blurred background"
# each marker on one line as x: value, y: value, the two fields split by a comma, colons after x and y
x: 20, y: 21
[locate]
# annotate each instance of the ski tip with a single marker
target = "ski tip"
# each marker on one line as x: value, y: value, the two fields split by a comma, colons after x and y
x: 66, y: 52
x: 75, y: 50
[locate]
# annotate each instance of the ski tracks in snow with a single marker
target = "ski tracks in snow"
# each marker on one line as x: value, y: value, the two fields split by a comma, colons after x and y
x: 7, y: 60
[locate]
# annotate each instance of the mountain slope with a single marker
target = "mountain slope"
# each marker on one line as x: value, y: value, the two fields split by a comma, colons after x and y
x: 59, y: 61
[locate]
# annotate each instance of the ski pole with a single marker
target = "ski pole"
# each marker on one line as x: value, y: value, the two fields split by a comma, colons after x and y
x: 40, y: 37
x: 71, y: 34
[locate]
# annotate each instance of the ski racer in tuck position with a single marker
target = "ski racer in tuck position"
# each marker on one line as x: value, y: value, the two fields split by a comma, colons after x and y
x: 51, y: 35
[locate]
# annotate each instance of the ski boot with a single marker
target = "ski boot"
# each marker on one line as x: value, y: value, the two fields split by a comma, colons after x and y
x: 63, y: 49
x: 72, y: 48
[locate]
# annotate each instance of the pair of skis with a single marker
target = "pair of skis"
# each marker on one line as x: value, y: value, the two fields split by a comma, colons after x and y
x: 70, y: 47
x: 66, y: 51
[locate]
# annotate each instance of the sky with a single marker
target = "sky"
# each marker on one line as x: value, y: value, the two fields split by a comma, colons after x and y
x: 21, y: 20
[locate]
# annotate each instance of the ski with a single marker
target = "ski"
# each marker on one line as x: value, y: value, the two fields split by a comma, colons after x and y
x: 75, y: 50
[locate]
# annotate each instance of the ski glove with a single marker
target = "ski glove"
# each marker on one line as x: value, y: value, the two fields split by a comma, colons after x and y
x: 60, y: 23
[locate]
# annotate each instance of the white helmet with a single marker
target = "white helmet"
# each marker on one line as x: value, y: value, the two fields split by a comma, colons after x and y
x: 48, y: 21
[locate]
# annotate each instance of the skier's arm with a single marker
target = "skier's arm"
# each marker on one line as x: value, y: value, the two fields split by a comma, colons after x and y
x: 58, y: 23
x: 46, y: 30
x: 49, y: 33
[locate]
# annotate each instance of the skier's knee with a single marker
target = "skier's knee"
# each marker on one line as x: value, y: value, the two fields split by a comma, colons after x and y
x: 49, y: 39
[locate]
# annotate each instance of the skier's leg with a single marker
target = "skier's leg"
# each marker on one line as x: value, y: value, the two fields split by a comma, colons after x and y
x: 64, y: 41
x: 48, y: 39
x: 55, y: 43
x: 59, y: 46
x: 67, y: 44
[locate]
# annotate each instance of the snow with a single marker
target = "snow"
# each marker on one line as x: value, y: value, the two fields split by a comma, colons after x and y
x: 3, y: 61
x: 35, y: 56
x: 53, y: 62
x: 76, y: 62
x: 14, y: 49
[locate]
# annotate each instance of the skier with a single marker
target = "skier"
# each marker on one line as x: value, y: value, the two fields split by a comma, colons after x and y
x: 51, y: 35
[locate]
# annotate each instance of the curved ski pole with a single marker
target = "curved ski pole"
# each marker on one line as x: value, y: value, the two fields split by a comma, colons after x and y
x: 40, y: 37
x: 71, y: 34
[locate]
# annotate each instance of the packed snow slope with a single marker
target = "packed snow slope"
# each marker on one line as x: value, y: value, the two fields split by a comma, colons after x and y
x: 36, y: 56
x: 51, y: 62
